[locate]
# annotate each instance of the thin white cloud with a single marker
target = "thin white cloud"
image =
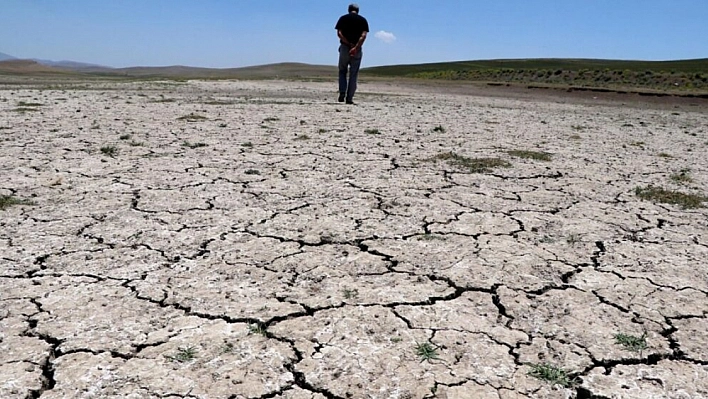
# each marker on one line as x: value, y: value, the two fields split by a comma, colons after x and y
x: 386, y: 37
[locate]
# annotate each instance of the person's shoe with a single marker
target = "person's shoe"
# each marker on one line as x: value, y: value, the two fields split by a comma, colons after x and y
x: 341, y: 97
x: 350, y: 102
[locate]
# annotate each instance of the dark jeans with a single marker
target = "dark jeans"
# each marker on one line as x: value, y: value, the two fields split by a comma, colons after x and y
x: 349, y: 64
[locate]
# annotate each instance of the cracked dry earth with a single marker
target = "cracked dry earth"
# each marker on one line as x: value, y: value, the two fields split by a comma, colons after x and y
x: 285, y: 246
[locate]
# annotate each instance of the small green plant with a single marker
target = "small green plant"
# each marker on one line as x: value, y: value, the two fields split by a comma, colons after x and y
x: 271, y: 119
x: 664, y: 155
x: 302, y: 137
x: 660, y: 195
x: 25, y: 109
x: 192, y: 118
x: 125, y: 136
x: 7, y: 200
x: 227, y: 347
x: 574, y: 239
x: 439, y: 129
x: 193, y: 145
x: 247, y: 144
x: 183, y: 354
x: 372, y: 131
x: 682, y: 177
x: 321, y: 130
x: 223, y: 125
x: 426, y: 352
x: 350, y: 294
x: 396, y: 340
x: 252, y: 172
x: 536, y: 155
x: 554, y: 375
x: 474, y: 165
x: 430, y: 237
x: 26, y: 104
x: 109, y: 150
x: 257, y: 329
x: 631, y: 343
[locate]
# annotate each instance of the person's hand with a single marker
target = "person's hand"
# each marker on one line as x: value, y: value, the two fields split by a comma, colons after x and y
x: 353, y: 51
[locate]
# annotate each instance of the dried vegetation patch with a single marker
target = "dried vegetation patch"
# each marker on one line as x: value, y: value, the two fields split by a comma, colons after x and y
x: 664, y: 196
x: 474, y: 165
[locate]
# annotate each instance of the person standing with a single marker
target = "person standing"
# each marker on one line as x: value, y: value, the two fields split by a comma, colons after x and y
x: 352, y: 29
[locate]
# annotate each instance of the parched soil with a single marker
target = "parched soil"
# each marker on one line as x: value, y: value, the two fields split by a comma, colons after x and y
x: 259, y: 240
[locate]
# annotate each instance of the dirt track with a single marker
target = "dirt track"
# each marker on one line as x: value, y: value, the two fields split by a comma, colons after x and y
x: 286, y: 246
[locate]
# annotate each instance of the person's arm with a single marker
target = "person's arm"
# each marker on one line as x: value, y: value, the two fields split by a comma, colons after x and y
x: 361, y: 41
x: 343, y: 39
x: 354, y: 50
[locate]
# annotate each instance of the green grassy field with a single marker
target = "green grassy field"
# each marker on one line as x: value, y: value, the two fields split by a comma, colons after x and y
x: 682, y: 75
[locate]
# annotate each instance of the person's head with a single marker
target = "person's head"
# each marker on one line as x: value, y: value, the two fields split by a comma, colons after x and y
x: 354, y: 8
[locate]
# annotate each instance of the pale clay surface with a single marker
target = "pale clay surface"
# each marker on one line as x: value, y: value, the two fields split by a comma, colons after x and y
x: 297, y: 255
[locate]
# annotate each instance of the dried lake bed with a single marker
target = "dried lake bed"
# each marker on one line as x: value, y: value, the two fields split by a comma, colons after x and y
x: 256, y: 239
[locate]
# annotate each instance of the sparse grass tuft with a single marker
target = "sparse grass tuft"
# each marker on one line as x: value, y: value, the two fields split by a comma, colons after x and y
x: 660, y: 195
x: 350, y: 294
x: 683, y: 177
x: 439, y: 129
x: 25, y: 109
x: 664, y: 155
x: 631, y: 343
x: 574, y: 238
x: 193, y: 145
x: 125, y: 136
x: 183, y: 354
x: 109, y: 150
x: 192, y: 118
x: 134, y: 143
x: 227, y: 347
x: 7, y: 200
x: 252, y: 172
x: 271, y: 119
x: 537, y: 155
x: 247, y: 144
x: 554, y: 375
x: 257, y: 329
x: 426, y: 352
x: 430, y: 237
x: 321, y: 130
x: 474, y: 165
x: 26, y: 104
x: 302, y: 137
x: 372, y: 131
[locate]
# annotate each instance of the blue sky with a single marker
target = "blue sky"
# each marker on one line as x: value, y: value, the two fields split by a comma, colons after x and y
x: 234, y: 33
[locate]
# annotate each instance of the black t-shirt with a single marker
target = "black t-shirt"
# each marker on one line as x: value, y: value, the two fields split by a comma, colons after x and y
x: 352, y: 26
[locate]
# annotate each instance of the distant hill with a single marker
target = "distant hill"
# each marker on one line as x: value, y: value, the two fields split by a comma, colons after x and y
x: 73, y: 65
x: 681, y: 76
x: 271, y: 71
x: 688, y: 66
x: 615, y: 75
x: 29, y: 67
x: 5, y: 57
x: 282, y: 70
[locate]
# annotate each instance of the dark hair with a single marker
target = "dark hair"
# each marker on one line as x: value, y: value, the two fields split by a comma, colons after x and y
x: 353, y: 7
